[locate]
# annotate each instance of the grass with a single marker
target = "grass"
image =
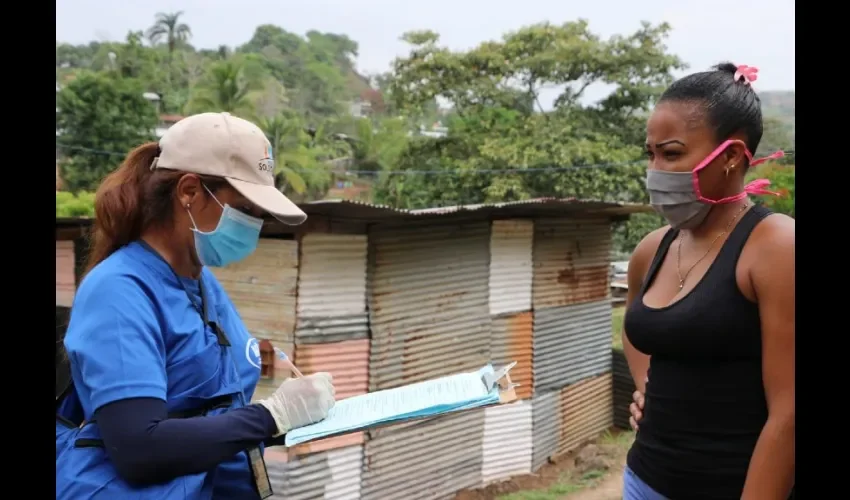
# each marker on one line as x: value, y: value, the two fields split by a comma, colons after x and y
x: 572, y: 482
x: 617, y: 327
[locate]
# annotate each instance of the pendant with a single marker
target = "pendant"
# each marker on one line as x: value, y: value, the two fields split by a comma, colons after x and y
x: 681, y: 284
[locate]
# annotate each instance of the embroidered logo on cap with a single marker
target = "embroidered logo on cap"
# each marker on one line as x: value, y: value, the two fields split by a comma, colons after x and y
x: 266, y: 163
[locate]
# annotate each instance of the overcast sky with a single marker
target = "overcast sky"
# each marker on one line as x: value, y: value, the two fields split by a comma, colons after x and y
x: 754, y: 32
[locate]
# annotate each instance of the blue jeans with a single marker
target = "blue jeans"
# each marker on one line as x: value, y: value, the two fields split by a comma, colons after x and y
x: 635, y: 489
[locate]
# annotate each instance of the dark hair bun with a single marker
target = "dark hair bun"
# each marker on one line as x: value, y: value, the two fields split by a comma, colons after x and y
x: 726, y: 67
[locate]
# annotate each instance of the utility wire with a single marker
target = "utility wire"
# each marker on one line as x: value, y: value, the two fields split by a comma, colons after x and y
x: 455, y: 171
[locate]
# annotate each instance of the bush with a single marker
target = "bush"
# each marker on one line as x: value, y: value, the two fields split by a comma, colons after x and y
x: 781, y: 179
x: 69, y: 205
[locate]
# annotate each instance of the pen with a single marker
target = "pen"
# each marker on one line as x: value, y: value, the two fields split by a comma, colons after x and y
x: 286, y: 361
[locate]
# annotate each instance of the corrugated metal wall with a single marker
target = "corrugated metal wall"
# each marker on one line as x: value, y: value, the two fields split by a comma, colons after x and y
x: 572, y: 399
x: 348, y: 362
x: 507, y: 441
x: 428, y: 302
x: 512, y: 341
x: 545, y: 427
x: 429, y: 459
x: 332, y: 475
x: 510, y: 266
x: 585, y: 410
x: 65, y: 273
x: 571, y: 343
x: 332, y: 279
x: 263, y: 288
x: 332, y: 288
x: 624, y: 387
x: 571, y: 261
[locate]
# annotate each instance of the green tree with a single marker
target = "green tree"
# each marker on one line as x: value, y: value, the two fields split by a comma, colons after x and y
x: 503, y: 143
x: 225, y: 87
x: 98, y: 114
x: 70, y: 205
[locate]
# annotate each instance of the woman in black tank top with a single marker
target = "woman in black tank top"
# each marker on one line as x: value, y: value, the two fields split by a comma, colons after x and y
x: 710, y: 316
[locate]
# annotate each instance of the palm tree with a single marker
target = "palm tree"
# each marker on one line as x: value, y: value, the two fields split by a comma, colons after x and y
x: 168, y: 26
x: 281, y: 131
x: 224, y: 88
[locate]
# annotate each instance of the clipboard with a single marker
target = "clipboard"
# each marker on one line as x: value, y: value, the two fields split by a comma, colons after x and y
x: 499, y: 380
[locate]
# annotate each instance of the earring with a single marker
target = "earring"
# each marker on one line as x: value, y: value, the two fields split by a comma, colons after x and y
x: 730, y: 167
x: 189, y: 205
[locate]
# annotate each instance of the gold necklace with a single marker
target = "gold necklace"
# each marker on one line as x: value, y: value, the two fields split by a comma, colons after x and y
x: 682, y: 240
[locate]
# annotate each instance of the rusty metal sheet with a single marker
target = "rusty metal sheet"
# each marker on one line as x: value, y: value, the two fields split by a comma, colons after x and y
x: 432, y: 459
x: 586, y: 410
x: 65, y: 273
x: 262, y: 287
x: 544, y: 427
x: 571, y: 261
x: 571, y: 343
x: 428, y: 302
x: 335, y: 329
x: 331, y: 475
x: 507, y: 441
x: 332, y: 278
x: 510, y: 266
x: 624, y: 387
x: 348, y: 362
x: 512, y: 341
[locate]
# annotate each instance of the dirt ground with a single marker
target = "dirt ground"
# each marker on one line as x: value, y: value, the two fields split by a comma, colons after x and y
x: 594, y: 472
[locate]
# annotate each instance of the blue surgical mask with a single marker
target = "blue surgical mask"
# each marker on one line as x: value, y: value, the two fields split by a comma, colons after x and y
x: 234, y: 239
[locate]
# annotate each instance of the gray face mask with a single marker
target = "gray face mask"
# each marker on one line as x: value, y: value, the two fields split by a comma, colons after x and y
x: 672, y: 195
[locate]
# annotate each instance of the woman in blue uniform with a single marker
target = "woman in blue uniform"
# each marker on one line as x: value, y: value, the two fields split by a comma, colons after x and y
x: 710, y: 314
x: 163, y: 368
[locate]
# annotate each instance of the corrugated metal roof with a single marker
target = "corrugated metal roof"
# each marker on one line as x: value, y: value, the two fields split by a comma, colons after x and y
x: 624, y: 387
x: 512, y: 341
x: 510, y: 266
x: 332, y: 278
x: 262, y: 287
x: 545, y: 427
x: 330, y: 475
x: 322, y: 330
x: 432, y: 459
x: 571, y: 343
x: 571, y: 261
x: 585, y: 410
x: 65, y: 275
x: 428, y: 302
x: 507, y: 441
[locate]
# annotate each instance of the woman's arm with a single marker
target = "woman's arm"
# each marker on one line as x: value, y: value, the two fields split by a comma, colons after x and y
x: 147, y: 448
x: 771, y: 472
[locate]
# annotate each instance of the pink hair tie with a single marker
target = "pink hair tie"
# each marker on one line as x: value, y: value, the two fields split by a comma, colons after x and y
x: 748, y: 74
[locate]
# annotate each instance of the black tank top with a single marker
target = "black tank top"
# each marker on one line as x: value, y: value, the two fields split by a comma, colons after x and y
x: 705, y: 405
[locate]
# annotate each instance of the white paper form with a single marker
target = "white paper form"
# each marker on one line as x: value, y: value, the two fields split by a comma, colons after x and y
x: 422, y: 399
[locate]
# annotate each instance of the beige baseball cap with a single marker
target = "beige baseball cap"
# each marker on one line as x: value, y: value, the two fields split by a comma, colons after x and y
x: 226, y: 146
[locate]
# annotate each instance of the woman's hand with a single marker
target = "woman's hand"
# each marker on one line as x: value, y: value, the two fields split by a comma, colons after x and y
x: 301, y: 401
x: 636, y: 408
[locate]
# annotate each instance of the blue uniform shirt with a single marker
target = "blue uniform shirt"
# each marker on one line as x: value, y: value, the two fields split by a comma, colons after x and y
x: 134, y: 333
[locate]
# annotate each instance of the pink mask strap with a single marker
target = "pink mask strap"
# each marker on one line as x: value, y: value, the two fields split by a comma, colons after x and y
x: 758, y: 186
x: 774, y: 156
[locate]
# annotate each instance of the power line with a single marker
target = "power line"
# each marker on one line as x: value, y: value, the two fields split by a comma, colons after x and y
x: 455, y: 171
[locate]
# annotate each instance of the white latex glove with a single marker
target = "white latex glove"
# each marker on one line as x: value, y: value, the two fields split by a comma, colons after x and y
x: 301, y: 401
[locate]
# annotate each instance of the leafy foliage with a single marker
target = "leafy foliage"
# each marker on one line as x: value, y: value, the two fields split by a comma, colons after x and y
x: 99, y: 112
x: 511, y: 117
x: 70, y: 205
